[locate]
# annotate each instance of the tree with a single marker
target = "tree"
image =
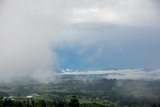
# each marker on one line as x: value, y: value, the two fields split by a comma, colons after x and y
x: 33, y: 103
x: 74, y: 102
x: 42, y: 103
x: 7, y: 103
x: 154, y: 105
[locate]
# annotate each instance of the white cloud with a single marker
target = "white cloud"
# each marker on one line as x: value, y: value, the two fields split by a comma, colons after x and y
x: 131, y: 12
x: 133, y: 74
x: 29, y: 29
x: 139, y: 75
x: 94, y: 15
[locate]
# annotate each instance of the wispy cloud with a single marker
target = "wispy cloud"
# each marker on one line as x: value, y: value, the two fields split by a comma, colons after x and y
x: 131, y: 74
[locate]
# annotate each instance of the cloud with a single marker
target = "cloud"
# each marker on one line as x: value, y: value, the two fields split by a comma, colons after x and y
x: 134, y: 13
x: 125, y: 74
x: 30, y: 31
x: 139, y: 75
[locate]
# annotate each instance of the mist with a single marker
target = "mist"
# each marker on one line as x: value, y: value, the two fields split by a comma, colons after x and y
x: 30, y: 31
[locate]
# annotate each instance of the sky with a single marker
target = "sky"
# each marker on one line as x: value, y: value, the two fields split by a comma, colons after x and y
x: 37, y: 37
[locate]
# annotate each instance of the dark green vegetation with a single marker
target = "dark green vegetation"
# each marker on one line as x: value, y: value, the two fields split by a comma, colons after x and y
x: 88, y: 92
